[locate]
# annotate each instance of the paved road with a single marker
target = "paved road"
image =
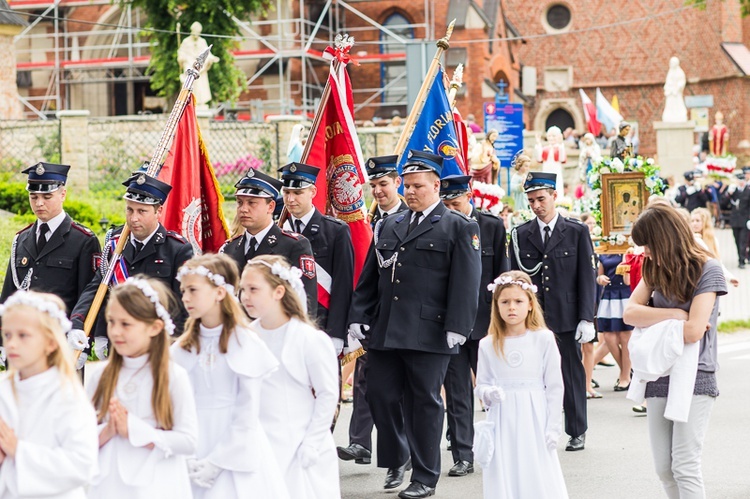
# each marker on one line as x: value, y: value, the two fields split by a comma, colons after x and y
x: 617, y: 461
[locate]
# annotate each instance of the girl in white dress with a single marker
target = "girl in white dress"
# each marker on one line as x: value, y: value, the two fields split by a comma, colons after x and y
x: 298, y: 400
x: 48, y: 442
x: 520, y: 382
x: 226, y: 362
x: 147, y: 421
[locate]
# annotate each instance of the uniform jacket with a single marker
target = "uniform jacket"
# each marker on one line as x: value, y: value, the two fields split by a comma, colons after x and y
x: 160, y: 258
x: 494, y: 263
x: 295, y: 248
x: 331, y: 243
x: 740, y: 213
x: 65, y: 266
x: 566, y: 279
x: 432, y: 287
x: 692, y: 201
x: 374, y: 220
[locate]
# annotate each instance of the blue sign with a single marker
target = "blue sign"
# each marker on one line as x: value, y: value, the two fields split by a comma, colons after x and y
x: 507, y: 119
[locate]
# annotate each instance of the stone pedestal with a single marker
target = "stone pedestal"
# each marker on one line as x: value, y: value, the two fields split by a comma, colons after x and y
x: 674, y: 147
x: 10, y: 105
x: 74, y: 147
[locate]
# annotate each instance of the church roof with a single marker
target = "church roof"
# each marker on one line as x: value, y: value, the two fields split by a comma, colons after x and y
x: 7, y: 17
x: 739, y: 54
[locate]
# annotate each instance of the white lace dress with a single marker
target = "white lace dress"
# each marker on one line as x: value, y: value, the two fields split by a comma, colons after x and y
x: 522, y: 465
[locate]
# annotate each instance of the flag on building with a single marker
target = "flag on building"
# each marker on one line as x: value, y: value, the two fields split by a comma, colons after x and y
x: 336, y: 151
x: 435, y: 131
x: 589, y: 110
x: 194, y: 206
x: 606, y: 114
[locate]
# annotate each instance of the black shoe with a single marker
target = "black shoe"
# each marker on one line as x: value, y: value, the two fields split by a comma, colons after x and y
x: 605, y: 364
x: 742, y: 265
x: 395, y: 476
x: 356, y: 452
x: 576, y: 443
x: 461, y: 468
x: 416, y: 490
x: 639, y: 409
x: 594, y: 383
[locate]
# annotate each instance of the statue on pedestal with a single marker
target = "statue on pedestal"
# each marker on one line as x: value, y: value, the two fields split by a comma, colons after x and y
x: 590, y: 155
x: 674, y: 109
x: 620, y: 147
x: 718, y: 136
x: 553, y: 155
x: 485, y: 165
x: 190, y: 48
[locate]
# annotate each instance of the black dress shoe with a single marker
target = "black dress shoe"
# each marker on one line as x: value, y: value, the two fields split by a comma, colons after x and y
x: 356, y: 452
x: 395, y: 476
x: 461, y: 468
x: 416, y: 490
x: 576, y: 443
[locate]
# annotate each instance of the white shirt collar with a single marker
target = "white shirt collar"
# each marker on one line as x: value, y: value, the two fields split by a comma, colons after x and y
x: 391, y: 211
x: 145, y: 241
x: 551, y: 224
x: 258, y: 237
x: 428, y: 210
x: 305, y: 219
x: 53, y: 224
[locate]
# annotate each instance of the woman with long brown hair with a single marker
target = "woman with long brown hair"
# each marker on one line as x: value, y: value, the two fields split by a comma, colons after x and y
x: 683, y: 281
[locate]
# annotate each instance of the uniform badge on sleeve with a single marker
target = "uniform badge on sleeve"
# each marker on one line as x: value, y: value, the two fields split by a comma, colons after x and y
x: 307, y: 266
x: 475, y: 242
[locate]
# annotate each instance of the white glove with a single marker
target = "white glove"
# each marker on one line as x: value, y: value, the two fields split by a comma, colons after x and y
x: 454, y: 339
x: 308, y: 455
x: 690, y: 190
x: 77, y: 339
x: 203, y: 473
x: 81, y: 360
x: 747, y: 224
x: 338, y: 345
x: 100, y: 347
x: 585, y: 332
x: 493, y: 396
x: 551, y: 441
x: 731, y: 189
x: 357, y: 330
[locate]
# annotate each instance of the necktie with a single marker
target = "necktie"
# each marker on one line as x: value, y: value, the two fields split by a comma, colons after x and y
x: 546, y: 235
x: 385, y: 215
x: 42, y: 241
x: 414, y: 222
x: 138, y: 246
x: 298, y: 226
x: 250, y: 249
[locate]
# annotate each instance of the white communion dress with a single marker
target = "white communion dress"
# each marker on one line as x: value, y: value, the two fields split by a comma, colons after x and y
x: 297, y: 408
x: 227, y: 390
x: 55, y: 424
x: 130, y: 470
x: 522, y: 464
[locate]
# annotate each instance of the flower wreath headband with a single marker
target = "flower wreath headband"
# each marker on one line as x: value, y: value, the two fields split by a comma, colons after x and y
x: 153, y: 297
x: 41, y: 304
x: 216, y: 279
x: 505, y: 280
x: 292, y: 275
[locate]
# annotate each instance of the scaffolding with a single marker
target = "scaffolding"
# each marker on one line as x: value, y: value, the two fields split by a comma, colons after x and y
x: 103, y: 67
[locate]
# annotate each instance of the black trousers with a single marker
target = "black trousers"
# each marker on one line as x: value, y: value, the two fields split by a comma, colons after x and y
x: 360, y: 426
x: 574, y: 381
x: 459, y: 398
x: 403, y: 390
x: 741, y: 242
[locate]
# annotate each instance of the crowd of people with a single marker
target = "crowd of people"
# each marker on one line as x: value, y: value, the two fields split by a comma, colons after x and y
x: 222, y: 371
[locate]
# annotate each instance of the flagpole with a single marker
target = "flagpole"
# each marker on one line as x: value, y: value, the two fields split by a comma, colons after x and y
x: 191, y: 74
x: 416, y: 110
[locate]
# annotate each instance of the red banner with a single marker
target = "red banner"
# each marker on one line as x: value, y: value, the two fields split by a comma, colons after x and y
x: 194, y: 206
x: 336, y: 151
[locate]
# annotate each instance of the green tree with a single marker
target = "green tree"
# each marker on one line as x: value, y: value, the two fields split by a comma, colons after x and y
x: 227, y: 81
x: 701, y: 4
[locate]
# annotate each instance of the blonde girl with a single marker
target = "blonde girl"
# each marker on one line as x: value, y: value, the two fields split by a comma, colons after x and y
x: 48, y: 442
x: 298, y: 400
x: 226, y: 363
x: 144, y: 402
x: 701, y: 223
x: 520, y: 381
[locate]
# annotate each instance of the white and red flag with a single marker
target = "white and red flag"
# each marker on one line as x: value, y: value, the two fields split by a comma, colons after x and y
x: 336, y: 151
x: 194, y: 206
x: 589, y: 109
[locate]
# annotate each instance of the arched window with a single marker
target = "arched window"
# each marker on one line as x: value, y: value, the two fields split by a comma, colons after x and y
x: 560, y: 118
x: 393, y: 74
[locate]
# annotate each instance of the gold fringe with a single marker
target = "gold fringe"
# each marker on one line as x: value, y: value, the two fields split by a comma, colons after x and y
x: 352, y: 356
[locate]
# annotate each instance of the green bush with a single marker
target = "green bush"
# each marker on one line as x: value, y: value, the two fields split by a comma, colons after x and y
x: 14, y: 198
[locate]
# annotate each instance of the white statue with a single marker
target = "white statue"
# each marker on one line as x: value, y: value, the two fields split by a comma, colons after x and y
x: 190, y: 48
x: 674, y: 109
x: 553, y: 155
x: 590, y: 155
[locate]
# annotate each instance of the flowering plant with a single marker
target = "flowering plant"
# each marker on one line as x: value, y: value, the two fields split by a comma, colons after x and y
x: 647, y: 166
x: 239, y: 166
x: 504, y: 280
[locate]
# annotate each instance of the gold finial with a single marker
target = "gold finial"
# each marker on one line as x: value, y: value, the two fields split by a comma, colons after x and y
x: 443, y: 42
x: 449, y: 31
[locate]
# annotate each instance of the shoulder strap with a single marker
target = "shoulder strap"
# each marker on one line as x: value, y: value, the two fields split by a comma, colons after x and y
x: 517, y: 252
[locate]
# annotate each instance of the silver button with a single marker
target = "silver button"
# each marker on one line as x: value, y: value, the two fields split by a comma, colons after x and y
x: 398, y: 281
x: 545, y: 257
x: 546, y: 278
x: 546, y: 267
x: 566, y: 253
x: 398, y: 265
x: 395, y: 298
x: 546, y: 289
x: 431, y: 245
x: 402, y: 248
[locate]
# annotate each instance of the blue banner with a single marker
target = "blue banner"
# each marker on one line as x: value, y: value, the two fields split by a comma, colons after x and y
x: 507, y: 119
x: 435, y: 131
